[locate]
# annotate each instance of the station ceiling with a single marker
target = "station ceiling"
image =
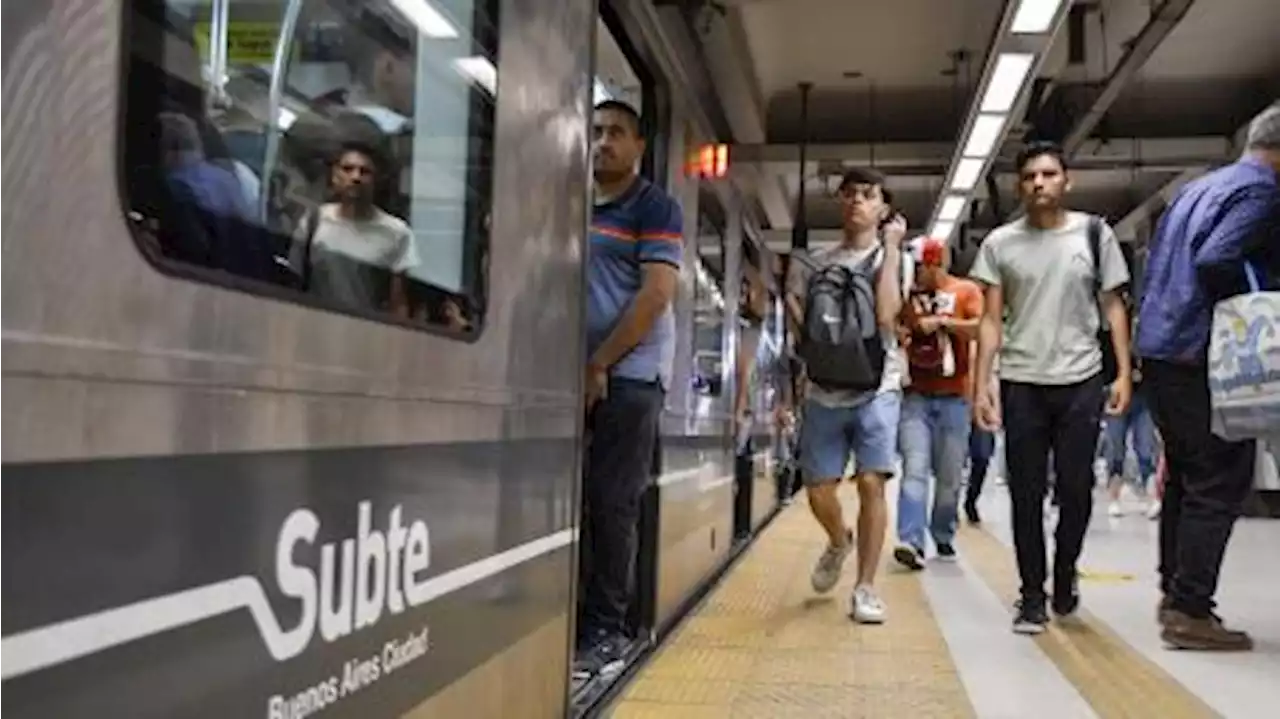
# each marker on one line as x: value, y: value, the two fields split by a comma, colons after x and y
x: 1149, y: 93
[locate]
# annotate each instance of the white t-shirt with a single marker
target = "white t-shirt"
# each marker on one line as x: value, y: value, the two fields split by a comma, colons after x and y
x: 1048, y: 281
x: 352, y: 260
x: 895, y: 361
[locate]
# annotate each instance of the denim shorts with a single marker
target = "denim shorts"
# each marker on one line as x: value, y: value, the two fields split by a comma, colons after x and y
x: 868, y: 431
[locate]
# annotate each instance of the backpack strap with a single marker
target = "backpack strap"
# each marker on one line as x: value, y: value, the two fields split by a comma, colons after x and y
x: 875, y: 263
x: 1095, y: 250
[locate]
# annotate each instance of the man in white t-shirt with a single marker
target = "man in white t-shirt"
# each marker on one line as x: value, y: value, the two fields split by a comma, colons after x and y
x: 837, y: 423
x: 1043, y: 268
x: 350, y: 251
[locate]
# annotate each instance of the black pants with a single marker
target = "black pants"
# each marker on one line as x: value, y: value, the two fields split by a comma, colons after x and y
x: 1206, y: 485
x: 982, y: 445
x: 622, y: 434
x: 1039, y: 419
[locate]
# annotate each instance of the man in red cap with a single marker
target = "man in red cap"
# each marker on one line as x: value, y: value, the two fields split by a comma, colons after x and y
x: 940, y: 323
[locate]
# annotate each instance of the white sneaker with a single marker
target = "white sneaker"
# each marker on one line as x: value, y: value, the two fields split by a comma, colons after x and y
x: 1114, y: 509
x: 1153, y: 511
x: 867, y: 606
x: 1100, y: 474
x: 830, y: 565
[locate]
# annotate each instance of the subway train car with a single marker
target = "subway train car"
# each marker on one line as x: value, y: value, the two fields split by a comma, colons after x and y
x: 246, y: 476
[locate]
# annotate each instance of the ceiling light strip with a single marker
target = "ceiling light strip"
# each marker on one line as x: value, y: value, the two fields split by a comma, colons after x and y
x: 983, y: 135
x: 1027, y: 29
x: 952, y: 206
x: 1008, y: 77
x: 1034, y: 16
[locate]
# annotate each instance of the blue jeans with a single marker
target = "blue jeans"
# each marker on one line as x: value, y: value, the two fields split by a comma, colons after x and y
x: 868, y: 431
x: 934, y: 439
x: 1138, y: 422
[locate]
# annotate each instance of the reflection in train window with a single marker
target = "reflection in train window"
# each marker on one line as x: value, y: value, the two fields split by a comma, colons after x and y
x: 337, y: 152
x: 708, y: 310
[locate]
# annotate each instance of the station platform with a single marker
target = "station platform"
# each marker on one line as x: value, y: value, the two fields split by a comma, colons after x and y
x: 762, y: 644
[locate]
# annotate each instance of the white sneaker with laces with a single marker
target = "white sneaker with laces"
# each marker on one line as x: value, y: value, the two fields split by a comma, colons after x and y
x: 867, y: 606
x: 830, y: 565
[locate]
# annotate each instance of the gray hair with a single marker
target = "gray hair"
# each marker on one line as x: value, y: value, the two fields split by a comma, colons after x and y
x: 1264, y: 130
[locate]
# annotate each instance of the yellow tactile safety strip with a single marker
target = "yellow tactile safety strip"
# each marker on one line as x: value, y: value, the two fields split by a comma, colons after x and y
x: 762, y: 645
x: 1113, y: 677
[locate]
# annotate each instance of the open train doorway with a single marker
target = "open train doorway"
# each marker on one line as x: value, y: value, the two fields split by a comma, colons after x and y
x: 615, y: 592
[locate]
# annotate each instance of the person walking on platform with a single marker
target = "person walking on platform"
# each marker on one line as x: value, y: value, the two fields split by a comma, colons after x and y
x: 982, y: 449
x: 1052, y: 268
x: 1137, y: 424
x: 867, y: 266
x: 1214, y: 227
x: 940, y: 322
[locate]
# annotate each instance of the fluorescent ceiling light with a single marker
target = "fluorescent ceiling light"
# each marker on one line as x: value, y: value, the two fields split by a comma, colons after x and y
x: 480, y: 71
x: 1034, y: 16
x: 942, y: 230
x: 1006, y: 81
x: 966, y: 174
x: 983, y: 135
x: 951, y: 208
x: 426, y: 18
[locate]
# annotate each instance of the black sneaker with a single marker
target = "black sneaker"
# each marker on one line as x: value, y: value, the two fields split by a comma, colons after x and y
x: 1030, y: 618
x: 1066, y: 595
x: 971, y: 513
x: 946, y: 553
x: 607, y: 657
x: 910, y: 557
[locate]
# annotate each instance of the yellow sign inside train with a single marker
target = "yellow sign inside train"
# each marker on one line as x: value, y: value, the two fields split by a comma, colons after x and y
x: 251, y: 43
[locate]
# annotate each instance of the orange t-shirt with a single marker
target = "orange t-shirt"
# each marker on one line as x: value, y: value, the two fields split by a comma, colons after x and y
x: 954, y: 297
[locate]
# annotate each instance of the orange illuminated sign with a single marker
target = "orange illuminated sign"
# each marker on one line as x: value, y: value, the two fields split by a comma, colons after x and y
x: 710, y: 162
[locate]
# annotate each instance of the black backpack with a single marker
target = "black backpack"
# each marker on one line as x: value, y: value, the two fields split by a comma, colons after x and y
x: 840, y: 340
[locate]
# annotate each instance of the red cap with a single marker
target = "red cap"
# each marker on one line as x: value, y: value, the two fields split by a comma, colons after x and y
x: 933, y: 251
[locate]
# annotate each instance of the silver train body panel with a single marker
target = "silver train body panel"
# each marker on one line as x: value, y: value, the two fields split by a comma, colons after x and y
x: 164, y: 438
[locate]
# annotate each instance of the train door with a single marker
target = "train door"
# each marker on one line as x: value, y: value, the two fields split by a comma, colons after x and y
x: 620, y: 74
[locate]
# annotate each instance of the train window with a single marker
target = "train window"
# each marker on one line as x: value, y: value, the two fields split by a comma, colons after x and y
x: 708, y: 310
x: 334, y: 152
x: 753, y: 299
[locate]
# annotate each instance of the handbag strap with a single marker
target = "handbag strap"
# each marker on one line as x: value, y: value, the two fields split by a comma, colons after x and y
x: 1251, y: 274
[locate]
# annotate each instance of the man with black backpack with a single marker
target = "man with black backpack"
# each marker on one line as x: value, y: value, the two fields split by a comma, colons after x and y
x: 845, y: 302
x: 1059, y: 273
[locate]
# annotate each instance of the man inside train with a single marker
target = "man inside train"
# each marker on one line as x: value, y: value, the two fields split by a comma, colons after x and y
x: 940, y: 323
x: 1218, y: 231
x: 635, y: 256
x: 208, y: 206
x: 1043, y: 268
x: 836, y: 422
x: 382, y: 67
x: 350, y: 251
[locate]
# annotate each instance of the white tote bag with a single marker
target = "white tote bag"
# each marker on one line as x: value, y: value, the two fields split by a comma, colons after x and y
x: 1244, y: 364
